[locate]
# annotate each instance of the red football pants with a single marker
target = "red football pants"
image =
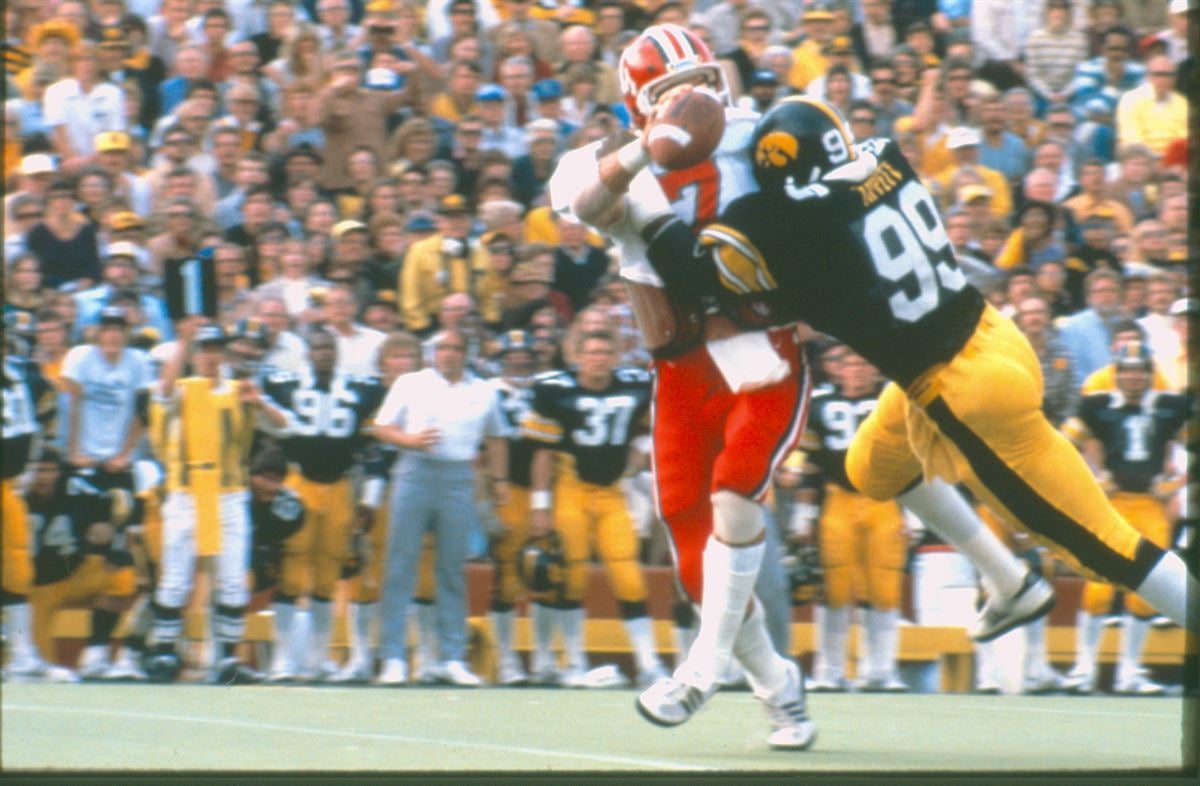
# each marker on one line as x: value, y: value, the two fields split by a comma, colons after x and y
x: 708, y: 438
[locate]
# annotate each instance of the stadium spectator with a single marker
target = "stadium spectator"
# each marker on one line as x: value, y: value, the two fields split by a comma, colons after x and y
x: 1087, y: 333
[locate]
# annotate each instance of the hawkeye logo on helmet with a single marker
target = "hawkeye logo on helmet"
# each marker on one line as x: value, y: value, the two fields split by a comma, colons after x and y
x: 777, y: 149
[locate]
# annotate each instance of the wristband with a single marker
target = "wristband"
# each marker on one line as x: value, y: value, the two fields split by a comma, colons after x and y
x: 633, y: 157
x: 372, y: 492
x: 540, y: 500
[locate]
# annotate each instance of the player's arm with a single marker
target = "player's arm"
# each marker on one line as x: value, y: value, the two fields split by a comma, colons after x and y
x: 541, y: 426
x: 599, y: 197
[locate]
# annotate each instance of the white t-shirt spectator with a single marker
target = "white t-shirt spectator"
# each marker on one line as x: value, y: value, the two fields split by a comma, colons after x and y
x: 109, y: 397
x: 84, y: 114
x: 465, y: 411
x: 357, y: 352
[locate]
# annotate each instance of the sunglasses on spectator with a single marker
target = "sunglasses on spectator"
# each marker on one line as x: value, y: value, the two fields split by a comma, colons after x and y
x: 30, y: 216
x: 757, y: 28
x: 884, y: 81
x: 179, y: 214
x: 862, y: 119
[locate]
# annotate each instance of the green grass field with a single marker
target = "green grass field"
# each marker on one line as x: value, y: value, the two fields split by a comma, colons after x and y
x: 412, y: 729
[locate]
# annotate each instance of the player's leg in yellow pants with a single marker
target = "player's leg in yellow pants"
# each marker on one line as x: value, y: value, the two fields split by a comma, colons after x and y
x: 506, y: 548
x: 617, y: 546
x: 979, y: 418
x: 17, y: 560
x: 314, y: 555
x: 838, y: 542
x: 1149, y: 517
x: 87, y: 583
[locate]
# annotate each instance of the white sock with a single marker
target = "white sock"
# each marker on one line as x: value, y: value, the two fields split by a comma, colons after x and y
x: 322, y: 624
x: 986, y: 672
x: 358, y: 625
x: 834, y: 631
x: 887, y: 635
x: 1036, y: 663
x: 572, y: 632
x: 866, y: 642
x: 641, y: 636
x: 544, y: 621
x: 502, y: 629
x: 20, y: 633
x: 1133, y: 637
x: 684, y: 638
x: 1174, y: 591
x: 299, y: 640
x: 945, y: 512
x: 729, y: 576
x: 1088, y: 628
x: 765, y: 668
x: 427, y: 634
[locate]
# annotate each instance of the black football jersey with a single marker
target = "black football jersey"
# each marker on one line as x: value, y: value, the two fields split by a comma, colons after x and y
x: 275, y: 521
x: 29, y: 404
x: 325, y: 420
x: 515, y: 403
x: 58, y: 526
x: 867, y: 262
x: 1134, y: 436
x: 833, y: 418
x: 594, y: 428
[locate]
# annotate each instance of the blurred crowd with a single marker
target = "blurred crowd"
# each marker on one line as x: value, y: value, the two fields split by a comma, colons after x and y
x: 376, y: 169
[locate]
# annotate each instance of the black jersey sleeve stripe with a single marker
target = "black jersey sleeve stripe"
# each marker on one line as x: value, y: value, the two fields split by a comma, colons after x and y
x: 1036, y: 513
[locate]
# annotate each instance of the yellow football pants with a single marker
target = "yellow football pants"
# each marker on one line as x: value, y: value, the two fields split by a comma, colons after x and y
x: 313, y: 557
x: 584, y: 514
x: 514, y: 515
x: 1149, y: 517
x: 17, y: 560
x: 978, y: 419
x: 862, y: 550
x: 93, y: 579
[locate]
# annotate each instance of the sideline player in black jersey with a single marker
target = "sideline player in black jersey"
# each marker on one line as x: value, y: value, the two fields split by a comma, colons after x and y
x: 586, y: 421
x: 1125, y: 435
x: 326, y: 411
x: 78, y: 560
x: 514, y: 386
x: 845, y: 238
x: 862, y: 540
x: 29, y: 403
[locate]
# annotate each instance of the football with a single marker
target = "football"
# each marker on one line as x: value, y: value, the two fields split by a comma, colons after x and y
x: 687, y: 128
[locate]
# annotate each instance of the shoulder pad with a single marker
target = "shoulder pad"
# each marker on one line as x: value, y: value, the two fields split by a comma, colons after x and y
x: 282, y: 377
x: 630, y: 374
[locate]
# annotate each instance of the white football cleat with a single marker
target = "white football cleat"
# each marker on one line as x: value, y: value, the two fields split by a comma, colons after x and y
x: 511, y: 672
x: 35, y: 669
x: 1080, y: 682
x: 1048, y: 681
x: 125, y: 669
x: 1033, y: 599
x: 1138, y: 684
x: 394, y: 672
x: 839, y: 685
x: 670, y: 701
x: 94, y: 662
x: 456, y: 673
x: 355, y: 671
x: 791, y: 728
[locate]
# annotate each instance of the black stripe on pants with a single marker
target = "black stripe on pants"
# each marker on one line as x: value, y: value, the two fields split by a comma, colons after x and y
x: 1036, y: 513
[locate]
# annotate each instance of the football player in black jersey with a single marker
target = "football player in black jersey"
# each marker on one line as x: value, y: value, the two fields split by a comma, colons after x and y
x: 586, y: 421
x: 78, y: 558
x: 29, y: 403
x: 846, y: 238
x: 1126, y: 435
x: 326, y: 411
x: 862, y: 540
x: 514, y: 386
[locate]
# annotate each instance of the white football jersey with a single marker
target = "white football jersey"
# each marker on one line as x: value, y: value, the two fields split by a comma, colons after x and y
x: 697, y: 194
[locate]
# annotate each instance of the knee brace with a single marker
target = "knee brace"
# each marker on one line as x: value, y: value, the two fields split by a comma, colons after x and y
x: 737, y: 521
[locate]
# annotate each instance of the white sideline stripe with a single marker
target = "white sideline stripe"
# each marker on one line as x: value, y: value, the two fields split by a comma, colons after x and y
x: 656, y: 763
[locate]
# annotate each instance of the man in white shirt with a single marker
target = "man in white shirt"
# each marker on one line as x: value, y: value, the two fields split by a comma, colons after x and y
x: 358, y: 346
x: 439, y: 415
x: 285, y: 350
